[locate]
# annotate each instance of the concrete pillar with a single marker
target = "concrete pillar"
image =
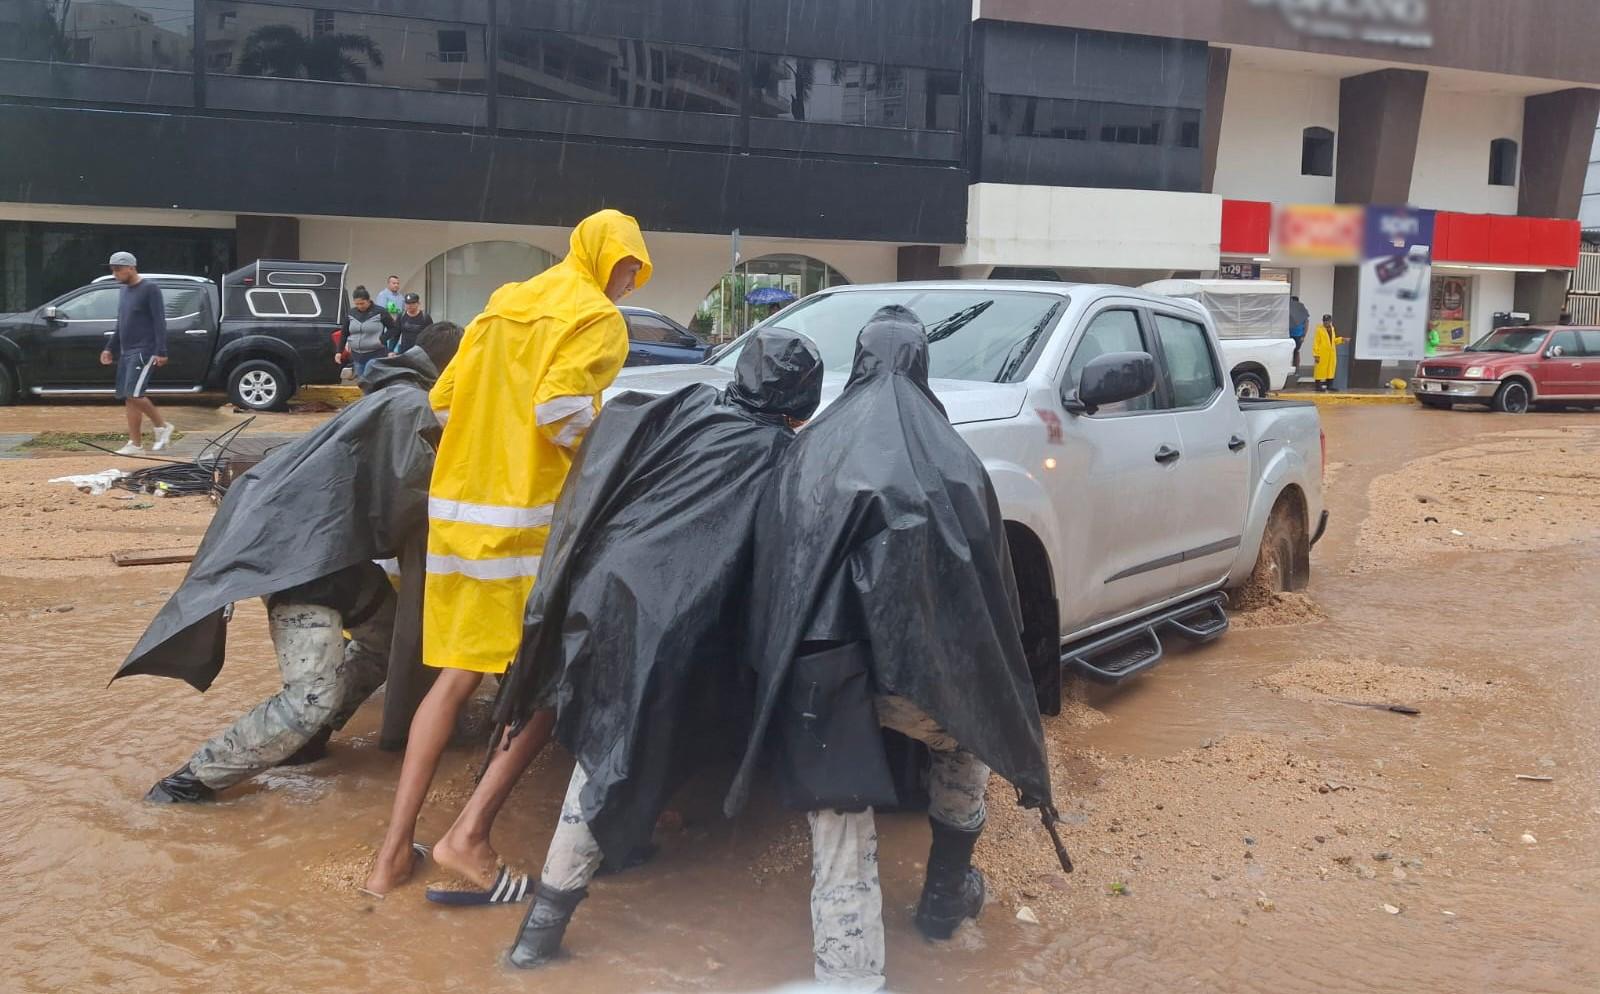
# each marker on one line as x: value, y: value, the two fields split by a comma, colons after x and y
x: 1218, y: 61
x: 1380, y: 114
x: 1557, y: 131
x: 263, y: 236
x: 920, y: 262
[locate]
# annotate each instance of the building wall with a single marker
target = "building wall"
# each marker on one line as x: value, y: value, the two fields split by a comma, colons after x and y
x: 1491, y: 292
x: 686, y: 266
x: 1314, y: 287
x: 1590, y: 214
x: 1263, y: 120
x: 1452, y: 164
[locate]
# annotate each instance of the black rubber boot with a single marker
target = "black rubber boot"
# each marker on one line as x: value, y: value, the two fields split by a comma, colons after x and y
x: 313, y: 750
x: 953, y: 891
x: 544, y: 925
x: 182, y: 787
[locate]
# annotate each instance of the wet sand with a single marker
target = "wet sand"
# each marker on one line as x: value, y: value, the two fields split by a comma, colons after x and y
x: 1234, y: 828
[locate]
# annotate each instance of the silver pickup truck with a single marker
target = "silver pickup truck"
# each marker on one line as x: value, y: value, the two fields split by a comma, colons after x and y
x: 1137, y: 490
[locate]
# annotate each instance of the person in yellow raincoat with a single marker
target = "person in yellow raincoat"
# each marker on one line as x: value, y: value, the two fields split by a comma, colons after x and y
x: 1325, y: 352
x: 515, y: 403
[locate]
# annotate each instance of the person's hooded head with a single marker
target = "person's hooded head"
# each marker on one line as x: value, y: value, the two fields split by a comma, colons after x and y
x: 779, y: 373
x: 892, y: 346
x: 608, y: 247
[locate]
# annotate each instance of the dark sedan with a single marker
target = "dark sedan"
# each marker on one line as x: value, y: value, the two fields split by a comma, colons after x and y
x: 656, y: 340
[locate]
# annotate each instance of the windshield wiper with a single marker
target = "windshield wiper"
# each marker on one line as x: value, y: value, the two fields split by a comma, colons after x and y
x: 1024, y: 348
x: 940, y: 330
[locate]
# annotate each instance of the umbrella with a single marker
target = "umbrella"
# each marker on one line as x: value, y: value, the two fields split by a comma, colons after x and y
x: 768, y: 295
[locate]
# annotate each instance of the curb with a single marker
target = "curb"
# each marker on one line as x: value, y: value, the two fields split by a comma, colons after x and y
x: 336, y: 394
x: 1346, y: 399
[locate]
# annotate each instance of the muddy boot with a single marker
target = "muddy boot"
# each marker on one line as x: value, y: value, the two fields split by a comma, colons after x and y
x: 953, y: 891
x: 313, y: 750
x: 544, y: 925
x: 182, y: 787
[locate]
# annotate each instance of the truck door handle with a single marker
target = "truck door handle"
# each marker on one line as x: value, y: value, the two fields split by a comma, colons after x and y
x: 1167, y: 454
x: 1236, y: 443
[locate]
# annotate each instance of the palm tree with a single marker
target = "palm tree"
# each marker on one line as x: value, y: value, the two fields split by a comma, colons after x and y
x: 280, y: 50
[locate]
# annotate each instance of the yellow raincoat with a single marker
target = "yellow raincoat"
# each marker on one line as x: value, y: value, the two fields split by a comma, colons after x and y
x: 1324, y: 349
x: 523, y: 388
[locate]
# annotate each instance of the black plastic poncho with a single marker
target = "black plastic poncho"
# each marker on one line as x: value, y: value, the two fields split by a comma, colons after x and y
x: 882, y: 526
x: 353, y: 490
x: 634, y: 627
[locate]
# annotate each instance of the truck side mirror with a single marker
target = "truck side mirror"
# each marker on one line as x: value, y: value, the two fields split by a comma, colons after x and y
x: 1110, y: 379
x: 1555, y: 352
x: 51, y: 314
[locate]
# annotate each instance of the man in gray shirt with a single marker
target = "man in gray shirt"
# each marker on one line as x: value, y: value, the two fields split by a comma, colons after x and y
x: 137, y: 346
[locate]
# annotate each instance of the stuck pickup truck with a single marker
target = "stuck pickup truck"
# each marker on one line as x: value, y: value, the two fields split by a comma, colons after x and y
x: 1137, y: 490
x: 270, y: 329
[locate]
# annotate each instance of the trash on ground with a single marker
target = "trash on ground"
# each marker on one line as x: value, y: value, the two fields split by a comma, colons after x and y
x: 93, y: 484
x: 1535, y: 777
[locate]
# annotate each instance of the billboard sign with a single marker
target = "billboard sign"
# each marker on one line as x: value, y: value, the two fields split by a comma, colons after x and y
x: 1325, y: 232
x: 1396, y: 280
x: 1377, y: 22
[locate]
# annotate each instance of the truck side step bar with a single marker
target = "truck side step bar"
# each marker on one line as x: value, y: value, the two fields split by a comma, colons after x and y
x: 104, y: 391
x: 1127, y: 651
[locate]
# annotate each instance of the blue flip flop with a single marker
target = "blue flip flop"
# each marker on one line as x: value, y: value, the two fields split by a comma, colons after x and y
x: 508, y: 888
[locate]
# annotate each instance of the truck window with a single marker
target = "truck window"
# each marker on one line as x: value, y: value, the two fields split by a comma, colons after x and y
x: 643, y: 328
x: 1110, y: 331
x: 1591, y: 343
x: 99, y: 304
x: 181, y: 301
x: 1190, y: 364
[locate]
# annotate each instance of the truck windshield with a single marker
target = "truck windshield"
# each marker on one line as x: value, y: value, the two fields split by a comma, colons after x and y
x: 991, y: 336
x: 1519, y: 341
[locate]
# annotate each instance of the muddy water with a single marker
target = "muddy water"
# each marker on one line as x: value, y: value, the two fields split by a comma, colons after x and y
x: 103, y: 892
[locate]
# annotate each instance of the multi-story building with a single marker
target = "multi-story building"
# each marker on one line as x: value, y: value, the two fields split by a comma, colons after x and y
x: 453, y: 141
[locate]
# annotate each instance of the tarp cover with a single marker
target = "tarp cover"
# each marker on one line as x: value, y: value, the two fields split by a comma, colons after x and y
x: 883, y: 526
x: 633, y: 629
x: 352, y: 490
x: 1239, y: 308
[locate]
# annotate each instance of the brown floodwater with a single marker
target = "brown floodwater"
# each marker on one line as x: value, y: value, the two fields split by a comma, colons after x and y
x: 103, y: 892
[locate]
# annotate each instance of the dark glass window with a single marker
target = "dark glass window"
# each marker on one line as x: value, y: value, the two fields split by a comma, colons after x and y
x: 143, y: 34
x: 599, y: 70
x: 1093, y: 120
x: 1316, y: 152
x: 834, y: 92
x: 1502, y: 162
x: 258, y: 39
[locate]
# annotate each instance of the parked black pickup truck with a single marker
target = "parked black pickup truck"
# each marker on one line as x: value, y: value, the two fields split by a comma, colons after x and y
x: 272, y: 329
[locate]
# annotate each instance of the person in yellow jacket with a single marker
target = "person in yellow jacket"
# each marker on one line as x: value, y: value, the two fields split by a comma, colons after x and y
x: 515, y: 403
x: 1325, y: 352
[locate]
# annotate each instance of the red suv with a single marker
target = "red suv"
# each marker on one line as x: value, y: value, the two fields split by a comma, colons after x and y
x: 1513, y: 369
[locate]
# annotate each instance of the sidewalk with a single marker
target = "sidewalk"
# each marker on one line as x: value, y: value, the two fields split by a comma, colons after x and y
x: 1344, y: 397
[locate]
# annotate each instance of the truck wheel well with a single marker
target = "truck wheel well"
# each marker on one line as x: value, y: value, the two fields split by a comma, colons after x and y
x: 266, y: 355
x: 1284, y: 562
x: 1250, y: 367
x: 1041, y: 626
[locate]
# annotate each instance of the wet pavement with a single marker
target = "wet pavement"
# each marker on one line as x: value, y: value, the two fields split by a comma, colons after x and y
x: 1259, y: 833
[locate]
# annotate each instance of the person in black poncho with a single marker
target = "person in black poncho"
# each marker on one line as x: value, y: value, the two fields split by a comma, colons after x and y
x: 633, y: 631
x: 883, y: 595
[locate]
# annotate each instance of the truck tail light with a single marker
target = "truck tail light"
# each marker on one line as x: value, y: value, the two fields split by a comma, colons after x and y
x: 1324, y: 436
x: 334, y: 334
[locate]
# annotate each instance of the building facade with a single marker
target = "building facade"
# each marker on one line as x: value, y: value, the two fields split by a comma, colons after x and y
x: 453, y: 142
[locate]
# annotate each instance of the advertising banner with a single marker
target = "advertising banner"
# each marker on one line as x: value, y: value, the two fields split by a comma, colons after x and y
x: 1396, y: 280
x: 1327, y: 232
x: 1449, y: 322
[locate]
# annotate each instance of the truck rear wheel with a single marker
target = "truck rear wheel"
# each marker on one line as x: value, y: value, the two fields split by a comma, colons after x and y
x: 259, y: 385
x: 1249, y: 386
x: 1284, y: 562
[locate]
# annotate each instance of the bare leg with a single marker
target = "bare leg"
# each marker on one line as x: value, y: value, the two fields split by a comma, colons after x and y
x: 465, y: 848
x: 430, y: 733
x: 135, y: 424
x: 148, y: 407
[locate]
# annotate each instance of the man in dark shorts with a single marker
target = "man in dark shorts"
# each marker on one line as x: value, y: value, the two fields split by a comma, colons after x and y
x: 137, y: 346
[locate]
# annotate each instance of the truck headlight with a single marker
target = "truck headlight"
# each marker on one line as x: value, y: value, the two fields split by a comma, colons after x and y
x: 1474, y: 373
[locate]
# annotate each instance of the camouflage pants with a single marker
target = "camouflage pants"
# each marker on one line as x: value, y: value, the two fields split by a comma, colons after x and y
x: 325, y: 680
x: 574, y: 854
x: 846, y: 901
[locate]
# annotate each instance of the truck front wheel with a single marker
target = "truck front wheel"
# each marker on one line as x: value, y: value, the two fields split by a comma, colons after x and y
x: 1512, y: 398
x: 259, y: 385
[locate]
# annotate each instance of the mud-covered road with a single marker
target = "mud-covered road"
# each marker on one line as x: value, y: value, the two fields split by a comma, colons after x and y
x: 1234, y: 828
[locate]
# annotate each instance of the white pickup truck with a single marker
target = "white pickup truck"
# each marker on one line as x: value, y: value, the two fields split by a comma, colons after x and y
x: 1251, y: 319
x: 1136, y: 488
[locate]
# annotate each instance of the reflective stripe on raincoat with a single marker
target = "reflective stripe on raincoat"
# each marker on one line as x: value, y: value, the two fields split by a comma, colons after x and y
x: 515, y: 402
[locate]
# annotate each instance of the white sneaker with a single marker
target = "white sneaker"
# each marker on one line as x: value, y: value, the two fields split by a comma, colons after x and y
x: 131, y: 449
x: 163, y: 436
